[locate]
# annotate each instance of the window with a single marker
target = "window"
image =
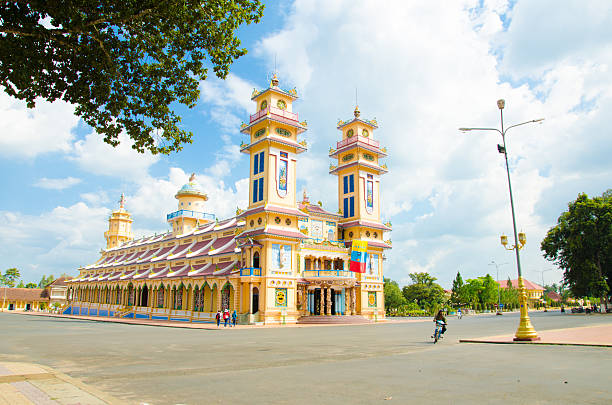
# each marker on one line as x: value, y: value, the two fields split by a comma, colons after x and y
x: 345, y: 184
x: 352, y: 206
x: 255, y: 191
x: 256, y: 164
x: 261, y: 162
x: 261, y: 181
x: 351, y: 184
x: 345, y: 211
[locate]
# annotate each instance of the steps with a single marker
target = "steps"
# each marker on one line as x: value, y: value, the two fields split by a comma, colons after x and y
x: 333, y: 320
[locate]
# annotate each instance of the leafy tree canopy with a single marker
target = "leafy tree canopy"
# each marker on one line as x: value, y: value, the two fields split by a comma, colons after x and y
x: 45, y: 280
x: 10, y: 277
x: 581, y: 245
x: 123, y: 64
x: 458, y: 294
x: 30, y: 285
x: 393, y: 294
x: 424, y: 291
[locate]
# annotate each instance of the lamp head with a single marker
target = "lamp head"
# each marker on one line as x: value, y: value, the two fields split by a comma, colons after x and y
x: 522, y: 238
x: 504, y: 240
x: 464, y: 129
x: 501, y: 103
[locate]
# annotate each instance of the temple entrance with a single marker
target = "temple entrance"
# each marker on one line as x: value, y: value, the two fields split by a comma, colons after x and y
x: 11, y: 307
x: 326, y: 301
x: 144, y: 296
x: 255, y: 300
x: 28, y: 307
x: 225, y: 297
x: 316, y: 309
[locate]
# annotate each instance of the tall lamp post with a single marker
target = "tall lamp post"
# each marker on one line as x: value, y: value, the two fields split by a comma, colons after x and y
x: 493, y: 263
x: 525, y: 330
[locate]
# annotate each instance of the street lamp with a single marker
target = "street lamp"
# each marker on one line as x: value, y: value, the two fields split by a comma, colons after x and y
x: 498, y: 289
x: 525, y: 330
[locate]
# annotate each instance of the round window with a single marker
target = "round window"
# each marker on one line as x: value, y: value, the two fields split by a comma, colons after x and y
x: 368, y: 234
x: 264, y: 105
x: 281, y: 104
x: 277, y: 220
x: 349, y: 133
x: 350, y: 234
x: 259, y: 221
x: 375, y: 235
x: 365, y: 133
x: 252, y: 223
x: 288, y: 221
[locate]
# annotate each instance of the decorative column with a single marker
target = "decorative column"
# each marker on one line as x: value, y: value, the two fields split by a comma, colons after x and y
x: 328, y: 304
x: 347, y: 301
x: 353, y: 301
x: 218, y: 298
x: 250, y: 298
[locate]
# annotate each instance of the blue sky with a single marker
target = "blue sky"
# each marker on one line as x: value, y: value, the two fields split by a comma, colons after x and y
x: 422, y: 69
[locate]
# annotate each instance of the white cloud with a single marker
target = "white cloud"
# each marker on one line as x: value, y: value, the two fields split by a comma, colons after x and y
x: 97, y: 157
x: 27, y: 133
x: 425, y: 70
x: 57, y: 184
x: 52, y: 242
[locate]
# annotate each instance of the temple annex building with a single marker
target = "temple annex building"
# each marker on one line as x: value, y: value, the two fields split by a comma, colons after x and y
x: 278, y: 261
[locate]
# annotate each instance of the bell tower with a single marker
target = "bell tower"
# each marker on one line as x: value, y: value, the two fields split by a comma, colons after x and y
x: 190, y: 213
x: 359, y: 172
x: 119, y: 226
x: 271, y: 218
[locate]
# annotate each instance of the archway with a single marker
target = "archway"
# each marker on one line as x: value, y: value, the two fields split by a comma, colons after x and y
x: 130, y: 292
x: 256, y: 260
x: 160, y: 296
x: 226, y: 297
x: 255, y: 300
x: 198, y: 299
x: 144, y: 296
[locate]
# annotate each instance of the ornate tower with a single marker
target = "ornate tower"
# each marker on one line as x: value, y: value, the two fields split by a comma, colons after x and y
x: 190, y: 211
x: 119, y: 226
x: 359, y: 170
x: 271, y: 219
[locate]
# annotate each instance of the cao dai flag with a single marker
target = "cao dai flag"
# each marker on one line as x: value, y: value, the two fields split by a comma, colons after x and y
x: 358, y: 256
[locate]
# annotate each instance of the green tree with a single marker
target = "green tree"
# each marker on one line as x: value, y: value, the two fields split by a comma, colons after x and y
x: 581, y: 245
x: 473, y: 286
x: 424, y: 291
x: 393, y: 296
x: 458, y: 294
x: 125, y: 65
x: 20, y: 284
x: 488, y: 293
x: 509, y: 296
x: 30, y: 285
x: 10, y: 277
x: 45, y: 281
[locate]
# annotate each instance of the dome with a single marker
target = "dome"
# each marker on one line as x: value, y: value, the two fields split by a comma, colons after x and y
x: 191, y: 188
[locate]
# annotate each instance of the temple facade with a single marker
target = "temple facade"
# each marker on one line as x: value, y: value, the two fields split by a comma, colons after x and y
x: 277, y: 261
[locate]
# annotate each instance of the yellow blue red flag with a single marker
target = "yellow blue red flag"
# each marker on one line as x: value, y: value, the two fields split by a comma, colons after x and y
x: 359, y: 255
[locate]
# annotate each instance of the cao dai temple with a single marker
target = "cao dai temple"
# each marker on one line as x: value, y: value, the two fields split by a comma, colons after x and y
x: 278, y: 261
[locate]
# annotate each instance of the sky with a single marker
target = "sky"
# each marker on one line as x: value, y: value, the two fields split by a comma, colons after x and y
x: 422, y: 69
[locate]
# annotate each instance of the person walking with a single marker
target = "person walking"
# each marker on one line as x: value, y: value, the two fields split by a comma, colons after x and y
x: 226, y: 317
x: 234, y: 316
x: 459, y: 313
x: 218, y: 317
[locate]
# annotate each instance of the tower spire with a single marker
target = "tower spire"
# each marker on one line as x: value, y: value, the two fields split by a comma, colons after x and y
x: 122, y: 201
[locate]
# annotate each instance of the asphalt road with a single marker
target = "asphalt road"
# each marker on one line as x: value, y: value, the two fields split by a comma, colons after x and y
x: 360, y: 364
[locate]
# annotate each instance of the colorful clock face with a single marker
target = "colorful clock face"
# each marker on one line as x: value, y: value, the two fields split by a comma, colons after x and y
x: 281, y: 104
x: 349, y: 133
x: 264, y: 105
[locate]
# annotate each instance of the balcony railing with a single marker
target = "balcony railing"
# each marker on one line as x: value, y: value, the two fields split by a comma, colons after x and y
x: 250, y: 271
x: 354, y: 139
x: 329, y: 273
x: 190, y: 214
x: 274, y: 111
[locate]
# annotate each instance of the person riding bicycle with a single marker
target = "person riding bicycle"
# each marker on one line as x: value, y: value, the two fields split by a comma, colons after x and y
x: 440, y: 317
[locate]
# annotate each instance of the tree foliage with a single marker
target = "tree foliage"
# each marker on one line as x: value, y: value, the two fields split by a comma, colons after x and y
x: 393, y: 295
x: 424, y: 291
x: 581, y: 245
x: 45, y: 280
x: 458, y: 295
x: 10, y: 277
x: 123, y: 64
x: 30, y: 285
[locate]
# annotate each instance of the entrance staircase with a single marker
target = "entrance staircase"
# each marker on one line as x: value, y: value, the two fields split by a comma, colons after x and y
x: 333, y: 320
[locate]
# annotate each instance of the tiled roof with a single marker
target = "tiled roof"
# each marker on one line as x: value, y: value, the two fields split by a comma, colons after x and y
x: 316, y: 209
x: 24, y: 294
x: 365, y: 223
x: 528, y: 284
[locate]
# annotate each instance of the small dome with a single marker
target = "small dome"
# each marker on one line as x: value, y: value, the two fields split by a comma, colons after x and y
x: 191, y: 188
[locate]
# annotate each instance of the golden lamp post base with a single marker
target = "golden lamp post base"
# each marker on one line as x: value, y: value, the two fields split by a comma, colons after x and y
x: 525, y: 331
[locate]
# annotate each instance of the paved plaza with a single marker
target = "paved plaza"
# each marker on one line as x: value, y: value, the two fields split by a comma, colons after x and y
x: 391, y: 362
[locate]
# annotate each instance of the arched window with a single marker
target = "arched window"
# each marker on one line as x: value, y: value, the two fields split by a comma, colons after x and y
x: 256, y: 260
